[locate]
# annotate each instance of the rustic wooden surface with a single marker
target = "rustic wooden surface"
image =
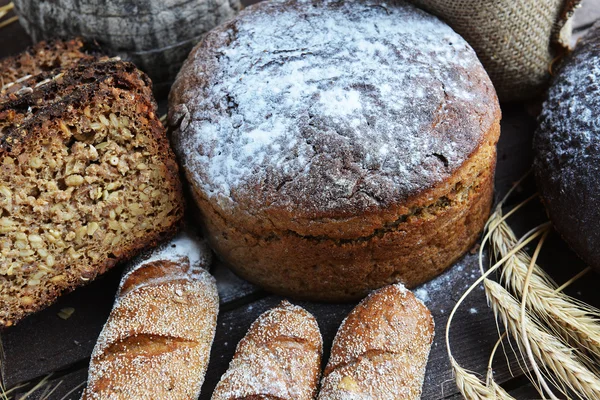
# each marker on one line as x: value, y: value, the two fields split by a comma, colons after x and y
x: 45, y: 344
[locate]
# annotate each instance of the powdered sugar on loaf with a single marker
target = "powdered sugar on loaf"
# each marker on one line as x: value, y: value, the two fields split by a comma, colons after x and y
x: 328, y: 106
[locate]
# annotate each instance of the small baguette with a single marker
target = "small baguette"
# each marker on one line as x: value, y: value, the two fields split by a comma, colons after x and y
x: 279, y: 358
x: 381, y: 349
x: 156, y: 342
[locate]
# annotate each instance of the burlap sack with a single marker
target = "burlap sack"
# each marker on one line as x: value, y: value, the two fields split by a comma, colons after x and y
x: 516, y: 40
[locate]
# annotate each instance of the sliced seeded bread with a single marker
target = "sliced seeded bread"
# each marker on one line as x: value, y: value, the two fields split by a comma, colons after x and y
x: 87, y: 177
x: 47, y: 56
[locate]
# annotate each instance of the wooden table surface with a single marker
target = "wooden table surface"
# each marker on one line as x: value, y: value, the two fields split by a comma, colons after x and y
x: 45, y: 346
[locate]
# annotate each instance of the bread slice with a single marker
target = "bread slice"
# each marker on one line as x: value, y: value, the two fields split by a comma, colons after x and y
x: 87, y: 180
x: 47, y: 56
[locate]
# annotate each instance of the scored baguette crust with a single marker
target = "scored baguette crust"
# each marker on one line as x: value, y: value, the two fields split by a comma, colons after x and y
x: 156, y: 342
x: 279, y: 358
x: 381, y: 349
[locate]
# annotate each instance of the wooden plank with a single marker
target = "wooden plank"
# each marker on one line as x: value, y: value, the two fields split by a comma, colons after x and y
x: 67, y: 386
x: 43, y: 342
x: 232, y: 289
x: 473, y: 335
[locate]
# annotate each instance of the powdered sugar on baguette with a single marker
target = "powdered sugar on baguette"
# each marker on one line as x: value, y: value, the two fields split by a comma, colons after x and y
x: 381, y: 349
x: 156, y: 342
x: 278, y: 358
x: 183, y: 246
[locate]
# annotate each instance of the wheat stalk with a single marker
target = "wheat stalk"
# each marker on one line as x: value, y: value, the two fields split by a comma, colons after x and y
x: 472, y: 388
x: 66, y: 396
x: 573, y: 320
x: 7, y: 394
x: 547, y: 349
x: 7, y: 7
x: 8, y: 21
x: 5, y: 10
x: 467, y: 383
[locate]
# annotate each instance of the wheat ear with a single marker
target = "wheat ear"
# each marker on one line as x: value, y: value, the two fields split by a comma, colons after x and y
x: 547, y: 349
x: 463, y: 378
x: 471, y: 387
x: 573, y: 320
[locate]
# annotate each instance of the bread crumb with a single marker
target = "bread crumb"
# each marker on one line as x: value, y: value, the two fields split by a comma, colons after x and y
x: 422, y: 294
x: 65, y: 313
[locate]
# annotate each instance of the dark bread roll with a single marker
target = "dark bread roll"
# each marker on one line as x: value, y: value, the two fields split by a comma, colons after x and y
x: 334, y: 147
x: 87, y: 180
x: 567, y: 149
x: 381, y: 349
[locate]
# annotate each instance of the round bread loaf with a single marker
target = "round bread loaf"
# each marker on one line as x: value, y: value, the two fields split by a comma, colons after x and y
x: 567, y: 150
x: 334, y: 147
x: 156, y: 35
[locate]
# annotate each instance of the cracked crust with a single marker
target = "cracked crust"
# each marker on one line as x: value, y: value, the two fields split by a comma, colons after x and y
x: 279, y: 358
x: 46, y: 56
x: 381, y: 349
x: 337, y: 178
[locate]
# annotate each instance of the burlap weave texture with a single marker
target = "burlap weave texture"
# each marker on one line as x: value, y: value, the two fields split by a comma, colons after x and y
x: 516, y: 40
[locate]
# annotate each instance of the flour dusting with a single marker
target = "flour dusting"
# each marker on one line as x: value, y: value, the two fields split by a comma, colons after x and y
x: 328, y: 105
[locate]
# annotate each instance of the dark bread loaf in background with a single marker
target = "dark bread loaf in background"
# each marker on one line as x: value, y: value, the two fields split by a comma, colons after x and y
x: 156, y: 342
x: 87, y: 177
x: 279, y: 358
x: 381, y: 349
x: 156, y: 35
x: 567, y: 149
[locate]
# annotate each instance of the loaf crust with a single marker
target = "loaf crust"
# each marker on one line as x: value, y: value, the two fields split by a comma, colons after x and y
x: 381, y: 349
x: 336, y: 177
x: 88, y: 180
x: 278, y: 359
x: 155, y: 35
x: 156, y: 342
x: 567, y: 150
x: 47, y: 56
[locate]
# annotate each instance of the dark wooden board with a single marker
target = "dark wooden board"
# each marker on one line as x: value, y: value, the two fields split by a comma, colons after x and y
x: 46, y: 344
